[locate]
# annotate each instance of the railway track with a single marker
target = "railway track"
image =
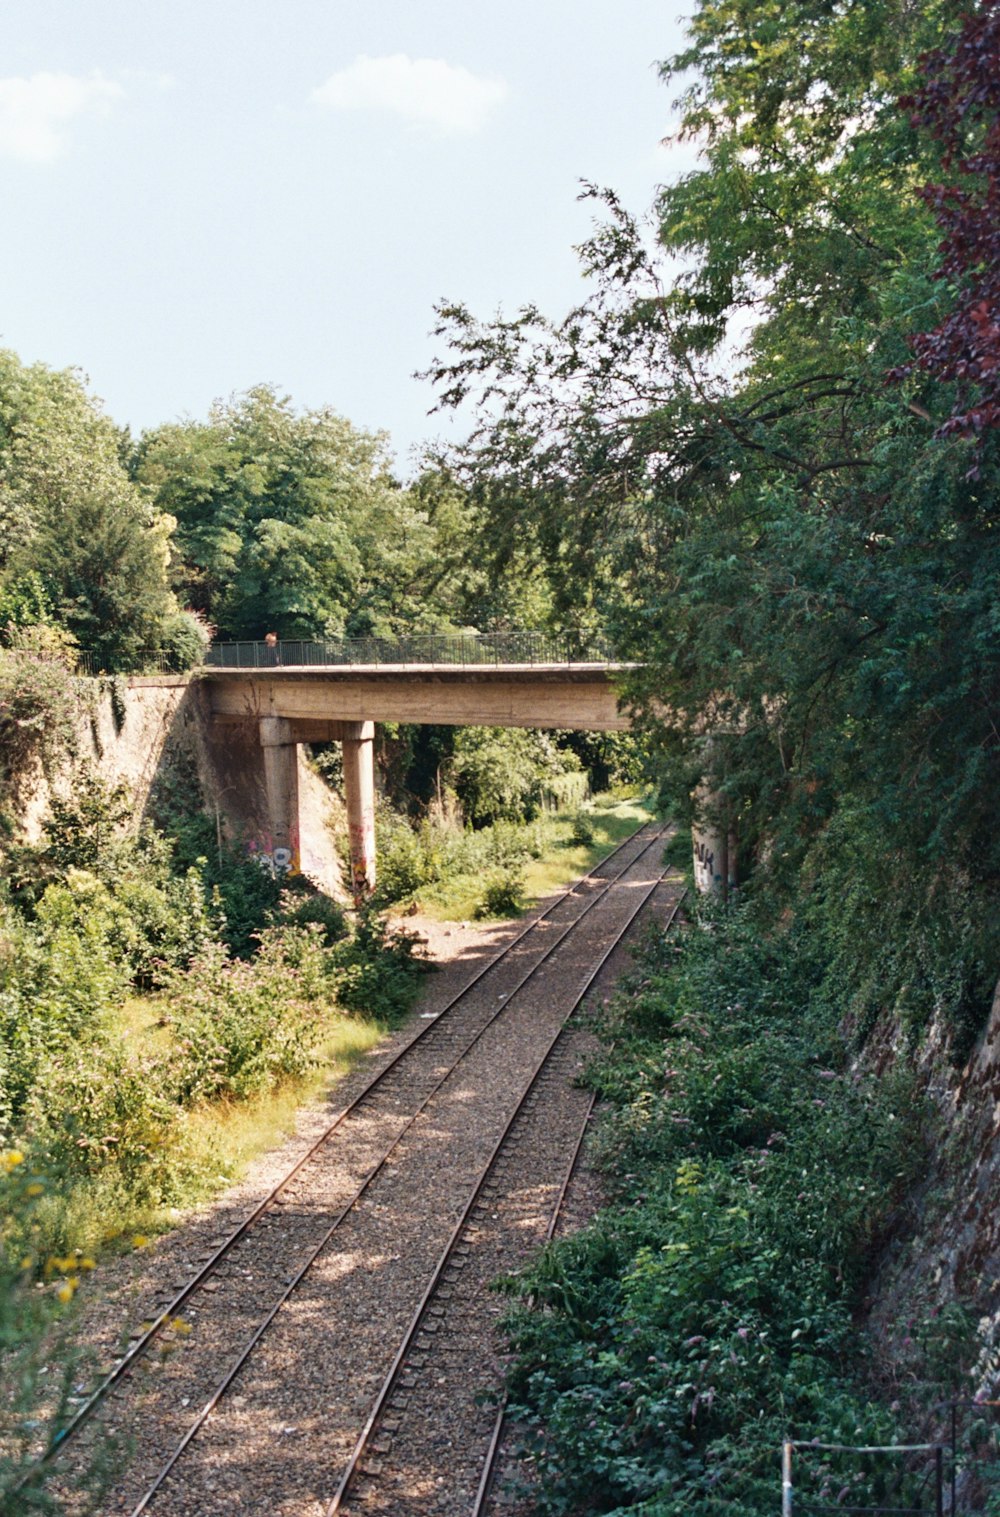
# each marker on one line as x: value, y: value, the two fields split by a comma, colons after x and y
x: 433, y: 1384
x: 343, y: 1219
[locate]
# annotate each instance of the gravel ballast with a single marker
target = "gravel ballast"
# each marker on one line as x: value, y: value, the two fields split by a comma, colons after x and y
x: 279, y: 1437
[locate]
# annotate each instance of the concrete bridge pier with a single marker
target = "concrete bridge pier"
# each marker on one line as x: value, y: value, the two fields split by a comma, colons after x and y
x: 281, y: 785
x: 279, y: 740
x: 714, y: 844
x: 359, y: 792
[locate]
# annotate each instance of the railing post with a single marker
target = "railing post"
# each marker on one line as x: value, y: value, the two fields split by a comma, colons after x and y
x: 939, y: 1481
x: 786, y: 1479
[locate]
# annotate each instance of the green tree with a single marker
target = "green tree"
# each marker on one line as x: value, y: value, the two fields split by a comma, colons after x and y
x: 291, y: 521
x: 73, y: 527
x: 708, y: 454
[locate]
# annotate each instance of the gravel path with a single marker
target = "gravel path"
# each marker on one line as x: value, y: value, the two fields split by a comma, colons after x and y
x: 277, y: 1440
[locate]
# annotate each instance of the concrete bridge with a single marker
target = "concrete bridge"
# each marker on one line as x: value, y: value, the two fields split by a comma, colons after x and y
x: 283, y: 694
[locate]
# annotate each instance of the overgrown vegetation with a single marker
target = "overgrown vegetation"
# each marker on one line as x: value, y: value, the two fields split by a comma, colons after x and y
x: 665, y: 1352
x: 96, y: 912
x: 139, y: 992
x: 459, y: 872
x: 766, y: 444
x: 38, y: 716
x: 763, y: 454
x: 781, y: 495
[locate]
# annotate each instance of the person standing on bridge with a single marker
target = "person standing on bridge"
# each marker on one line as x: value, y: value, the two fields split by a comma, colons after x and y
x: 273, y: 655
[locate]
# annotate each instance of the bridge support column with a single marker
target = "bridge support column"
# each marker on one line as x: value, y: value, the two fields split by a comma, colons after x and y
x: 359, y: 792
x: 281, y: 784
x: 713, y: 840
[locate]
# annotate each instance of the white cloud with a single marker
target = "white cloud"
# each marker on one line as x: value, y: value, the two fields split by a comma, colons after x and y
x: 425, y: 91
x: 35, y: 112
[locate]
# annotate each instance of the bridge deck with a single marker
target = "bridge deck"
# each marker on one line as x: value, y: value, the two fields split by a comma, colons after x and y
x: 567, y: 695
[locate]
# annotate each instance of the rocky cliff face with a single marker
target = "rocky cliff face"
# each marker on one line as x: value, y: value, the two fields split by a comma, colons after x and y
x: 935, y: 1300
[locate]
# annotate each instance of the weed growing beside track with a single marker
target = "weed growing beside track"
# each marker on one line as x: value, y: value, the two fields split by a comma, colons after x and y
x: 454, y: 873
x: 150, y: 1041
x: 665, y: 1352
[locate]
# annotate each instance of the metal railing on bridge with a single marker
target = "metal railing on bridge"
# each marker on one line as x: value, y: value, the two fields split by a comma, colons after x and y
x: 461, y: 650
x: 438, y: 649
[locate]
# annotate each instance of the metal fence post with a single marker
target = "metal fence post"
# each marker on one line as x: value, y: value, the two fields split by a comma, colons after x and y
x: 786, y: 1479
x: 939, y: 1481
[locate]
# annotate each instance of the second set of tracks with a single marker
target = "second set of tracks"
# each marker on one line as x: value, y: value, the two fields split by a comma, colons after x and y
x: 331, y: 1356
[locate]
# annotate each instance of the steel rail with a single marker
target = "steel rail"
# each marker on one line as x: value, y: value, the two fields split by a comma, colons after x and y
x: 142, y: 1343
x: 389, y: 1384
x: 223, y: 1385
x: 493, y: 1451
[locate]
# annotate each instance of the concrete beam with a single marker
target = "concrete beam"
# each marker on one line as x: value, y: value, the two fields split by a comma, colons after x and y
x: 582, y: 697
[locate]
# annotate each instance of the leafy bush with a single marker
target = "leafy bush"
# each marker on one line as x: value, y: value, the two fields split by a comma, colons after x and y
x: 583, y: 830
x: 405, y: 862
x: 39, y: 705
x: 155, y: 916
x: 503, y: 895
x: 304, y: 908
x: 376, y: 969
x: 184, y: 636
x: 96, y: 1110
x: 242, y: 1028
x: 665, y: 1352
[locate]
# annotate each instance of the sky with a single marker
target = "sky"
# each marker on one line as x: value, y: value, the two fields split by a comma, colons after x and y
x: 204, y: 195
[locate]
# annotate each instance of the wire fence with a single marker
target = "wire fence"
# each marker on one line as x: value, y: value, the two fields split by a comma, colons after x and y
x: 956, y: 1473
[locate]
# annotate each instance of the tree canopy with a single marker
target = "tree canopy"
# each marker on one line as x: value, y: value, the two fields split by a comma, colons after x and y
x: 740, y: 453
x: 80, y: 545
x: 292, y: 522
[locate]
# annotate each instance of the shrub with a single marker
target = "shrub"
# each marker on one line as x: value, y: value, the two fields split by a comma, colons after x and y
x: 39, y: 705
x: 665, y: 1352
x: 376, y: 969
x: 242, y: 1028
x: 583, y: 830
x: 503, y: 895
x: 184, y: 637
x: 95, y: 1109
x: 403, y: 856
x: 306, y: 907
